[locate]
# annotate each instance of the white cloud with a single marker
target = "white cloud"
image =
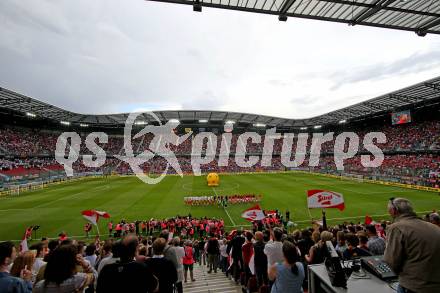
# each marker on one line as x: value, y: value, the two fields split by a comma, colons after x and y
x: 107, y: 56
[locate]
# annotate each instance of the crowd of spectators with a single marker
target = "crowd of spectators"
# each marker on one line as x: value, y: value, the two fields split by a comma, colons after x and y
x: 418, y: 169
x: 23, y: 141
x: 140, y: 261
x: 180, y: 226
x: 32, y: 163
x: 409, y: 154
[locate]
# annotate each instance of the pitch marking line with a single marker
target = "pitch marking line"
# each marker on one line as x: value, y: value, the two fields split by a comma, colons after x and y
x: 226, y: 211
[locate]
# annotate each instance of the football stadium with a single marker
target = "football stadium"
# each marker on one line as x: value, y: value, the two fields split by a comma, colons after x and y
x: 214, y: 200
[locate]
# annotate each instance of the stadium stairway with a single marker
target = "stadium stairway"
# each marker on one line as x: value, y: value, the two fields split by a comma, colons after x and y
x: 210, y: 283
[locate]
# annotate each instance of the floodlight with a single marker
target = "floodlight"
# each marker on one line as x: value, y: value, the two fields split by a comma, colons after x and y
x: 197, y: 7
x: 282, y: 17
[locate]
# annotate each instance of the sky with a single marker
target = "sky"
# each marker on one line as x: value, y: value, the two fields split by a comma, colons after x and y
x: 113, y: 56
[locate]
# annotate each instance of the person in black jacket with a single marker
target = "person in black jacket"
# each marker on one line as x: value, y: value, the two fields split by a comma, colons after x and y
x: 237, y: 257
x: 126, y: 275
x: 213, y: 250
x: 260, y: 259
x: 162, y: 268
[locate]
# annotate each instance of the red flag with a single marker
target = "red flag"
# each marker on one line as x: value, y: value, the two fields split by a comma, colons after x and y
x: 368, y: 220
x: 93, y: 216
x: 253, y: 214
x: 325, y: 199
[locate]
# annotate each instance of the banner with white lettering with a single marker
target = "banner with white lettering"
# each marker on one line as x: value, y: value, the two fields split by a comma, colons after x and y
x: 324, y: 199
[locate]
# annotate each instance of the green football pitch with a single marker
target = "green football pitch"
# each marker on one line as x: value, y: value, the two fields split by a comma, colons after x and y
x: 58, y: 207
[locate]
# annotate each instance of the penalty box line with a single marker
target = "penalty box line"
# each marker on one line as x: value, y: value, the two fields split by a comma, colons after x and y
x: 226, y: 211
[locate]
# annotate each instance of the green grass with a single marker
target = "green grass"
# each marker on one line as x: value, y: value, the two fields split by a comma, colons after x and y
x: 58, y: 207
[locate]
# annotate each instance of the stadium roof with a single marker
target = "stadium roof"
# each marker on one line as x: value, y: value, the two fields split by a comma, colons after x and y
x: 420, y: 16
x: 424, y: 92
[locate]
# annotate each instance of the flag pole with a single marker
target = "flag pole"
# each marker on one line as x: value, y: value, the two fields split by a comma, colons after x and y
x: 97, y: 229
x: 310, y: 214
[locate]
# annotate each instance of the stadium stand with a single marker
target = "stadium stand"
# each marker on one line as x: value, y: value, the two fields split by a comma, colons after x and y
x: 27, y: 147
x: 411, y: 155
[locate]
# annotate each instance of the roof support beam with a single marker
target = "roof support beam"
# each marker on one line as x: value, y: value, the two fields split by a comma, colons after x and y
x: 433, y: 86
x: 368, y: 12
x: 424, y: 27
x: 389, y: 8
x: 286, y: 6
x: 354, y: 113
x: 376, y: 106
x: 407, y: 99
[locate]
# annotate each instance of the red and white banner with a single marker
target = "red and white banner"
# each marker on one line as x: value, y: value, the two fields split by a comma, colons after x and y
x: 253, y: 214
x: 93, y: 216
x: 323, y: 199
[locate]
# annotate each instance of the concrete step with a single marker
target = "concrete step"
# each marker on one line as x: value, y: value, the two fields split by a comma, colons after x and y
x: 210, y: 283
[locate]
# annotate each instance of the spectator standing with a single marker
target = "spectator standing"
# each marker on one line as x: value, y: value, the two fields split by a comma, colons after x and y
x: 60, y: 274
x: 288, y: 276
x: 319, y: 251
x: 180, y: 252
x: 375, y: 244
x: 39, y: 262
x: 90, y: 253
x: 341, y: 245
x: 8, y: 283
x: 126, y: 275
x: 260, y: 260
x: 274, y: 248
x: 105, y: 252
x: 24, y: 261
x: 162, y: 267
x: 188, y: 260
x: 223, y: 255
x: 236, y: 255
x: 305, y: 243
x: 413, y: 249
x: 248, y: 251
x: 201, y: 250
x: 353, y: 250
x: 113, y: 257
x: 213, y: 250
